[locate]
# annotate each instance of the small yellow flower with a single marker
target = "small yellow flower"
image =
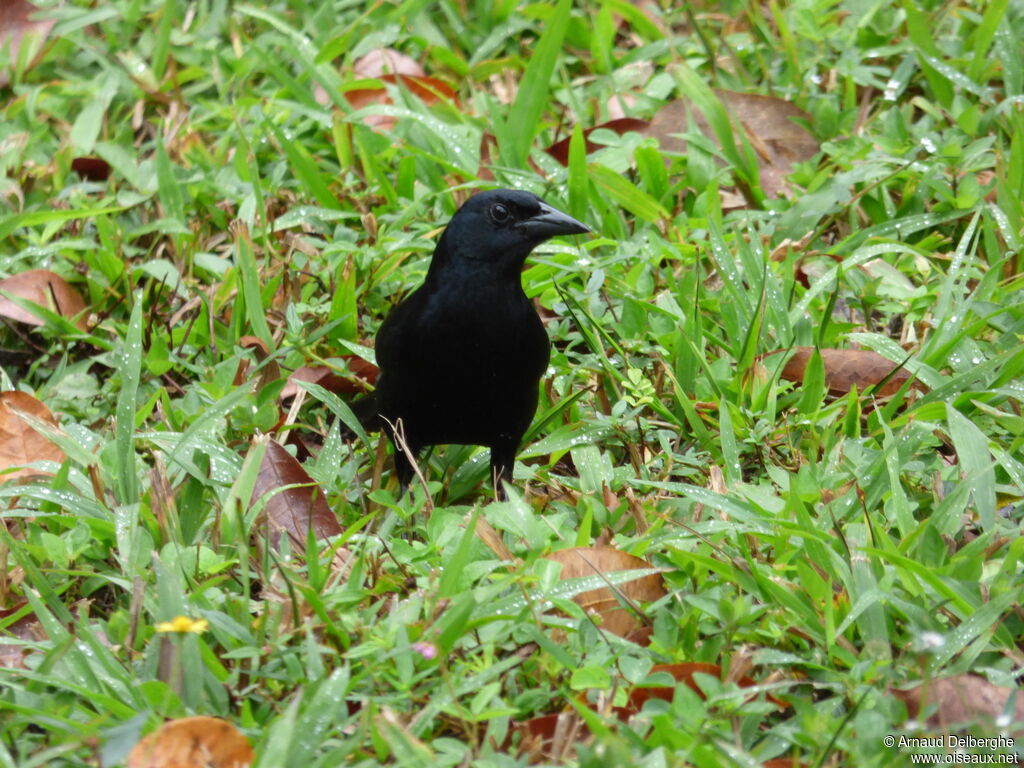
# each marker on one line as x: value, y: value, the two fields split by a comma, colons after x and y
x: 183, y: 624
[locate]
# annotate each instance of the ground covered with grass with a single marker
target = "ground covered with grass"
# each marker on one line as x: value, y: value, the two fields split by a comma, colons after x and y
x: 784, y: 393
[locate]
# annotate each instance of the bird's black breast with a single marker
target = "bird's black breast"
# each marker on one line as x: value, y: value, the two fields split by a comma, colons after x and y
x: 461, y: 364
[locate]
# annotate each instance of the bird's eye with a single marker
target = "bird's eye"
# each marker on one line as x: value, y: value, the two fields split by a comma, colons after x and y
x: 500, y: 213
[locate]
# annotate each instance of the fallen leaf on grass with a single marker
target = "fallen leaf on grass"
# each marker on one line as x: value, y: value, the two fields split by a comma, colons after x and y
x: 27, y: 628
x: 603, y: 603
x: 846, y: 368
x: 560, y: 149
x: 319, y: 374
x: 390, y: 66
x: 385, y: 61
x: 18, y: 27
x: 683, y: 672
x: 330, y: 380
x: 270, y: 371
x: 193, y: 742
x: 21, y: 443
x: 45, y: 288
x: 551, y: 737
x: 962, y: 700
x: 767, y: 122
x: 295, y: 510
x: 429, y: 90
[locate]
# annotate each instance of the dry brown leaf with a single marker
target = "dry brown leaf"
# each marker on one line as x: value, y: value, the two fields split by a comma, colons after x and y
x: 46, y: 289
x: 294, y: 510
x: 683, y: 672
x: 387, y: 61
x: 617, y: 104
x: 389, y: 66
x: 560, y: 149
x: 193, y: 742
x: 19, y: 27
x: 488, y: 150
x: 257, y: 345
x: 550, y: 738
x: 26, y: 628
x: 636, y: 511
x: 962, y: 700
x: 270, y: 371
x: 493, y: 541
x: 320, y: 374
x: 845, y: 368
x: 429, y: 90
x: 588, y: 561
x: 161, y: 496
x: 20, y: 443
x: 766, y: 121
x: 329, y: 379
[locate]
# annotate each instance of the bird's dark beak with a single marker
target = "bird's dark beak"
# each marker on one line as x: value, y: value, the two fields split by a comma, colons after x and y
x: 551, y: 222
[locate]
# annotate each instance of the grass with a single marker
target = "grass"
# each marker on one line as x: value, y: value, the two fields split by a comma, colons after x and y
x: 841, y: 547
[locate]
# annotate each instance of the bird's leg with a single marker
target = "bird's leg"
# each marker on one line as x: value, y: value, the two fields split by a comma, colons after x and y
x: 403, y: 469
x: 503, y: 458
x: 405, y: 455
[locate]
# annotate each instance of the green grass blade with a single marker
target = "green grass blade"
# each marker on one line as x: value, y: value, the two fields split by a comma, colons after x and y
x: 252, y: 296
x: 520, y: 125
x: 127, y: 403
x: 976, y: 462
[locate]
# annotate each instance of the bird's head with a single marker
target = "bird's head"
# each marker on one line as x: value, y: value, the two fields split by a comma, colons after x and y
x: 500, y: 227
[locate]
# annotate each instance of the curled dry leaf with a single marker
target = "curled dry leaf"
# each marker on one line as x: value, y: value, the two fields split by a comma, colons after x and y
x: 257, y: 345
x: 191, y: 742
x: 845, y: 368
x: 270, y: 371
x: 588, y: 561
x: 45, y: 288
x: 963, y: 700
x: 293, y: 511
x: 19, y: 27
x: 20, y: 443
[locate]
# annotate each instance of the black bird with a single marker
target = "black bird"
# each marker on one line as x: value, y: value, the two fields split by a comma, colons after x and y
x: 461, y: 358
